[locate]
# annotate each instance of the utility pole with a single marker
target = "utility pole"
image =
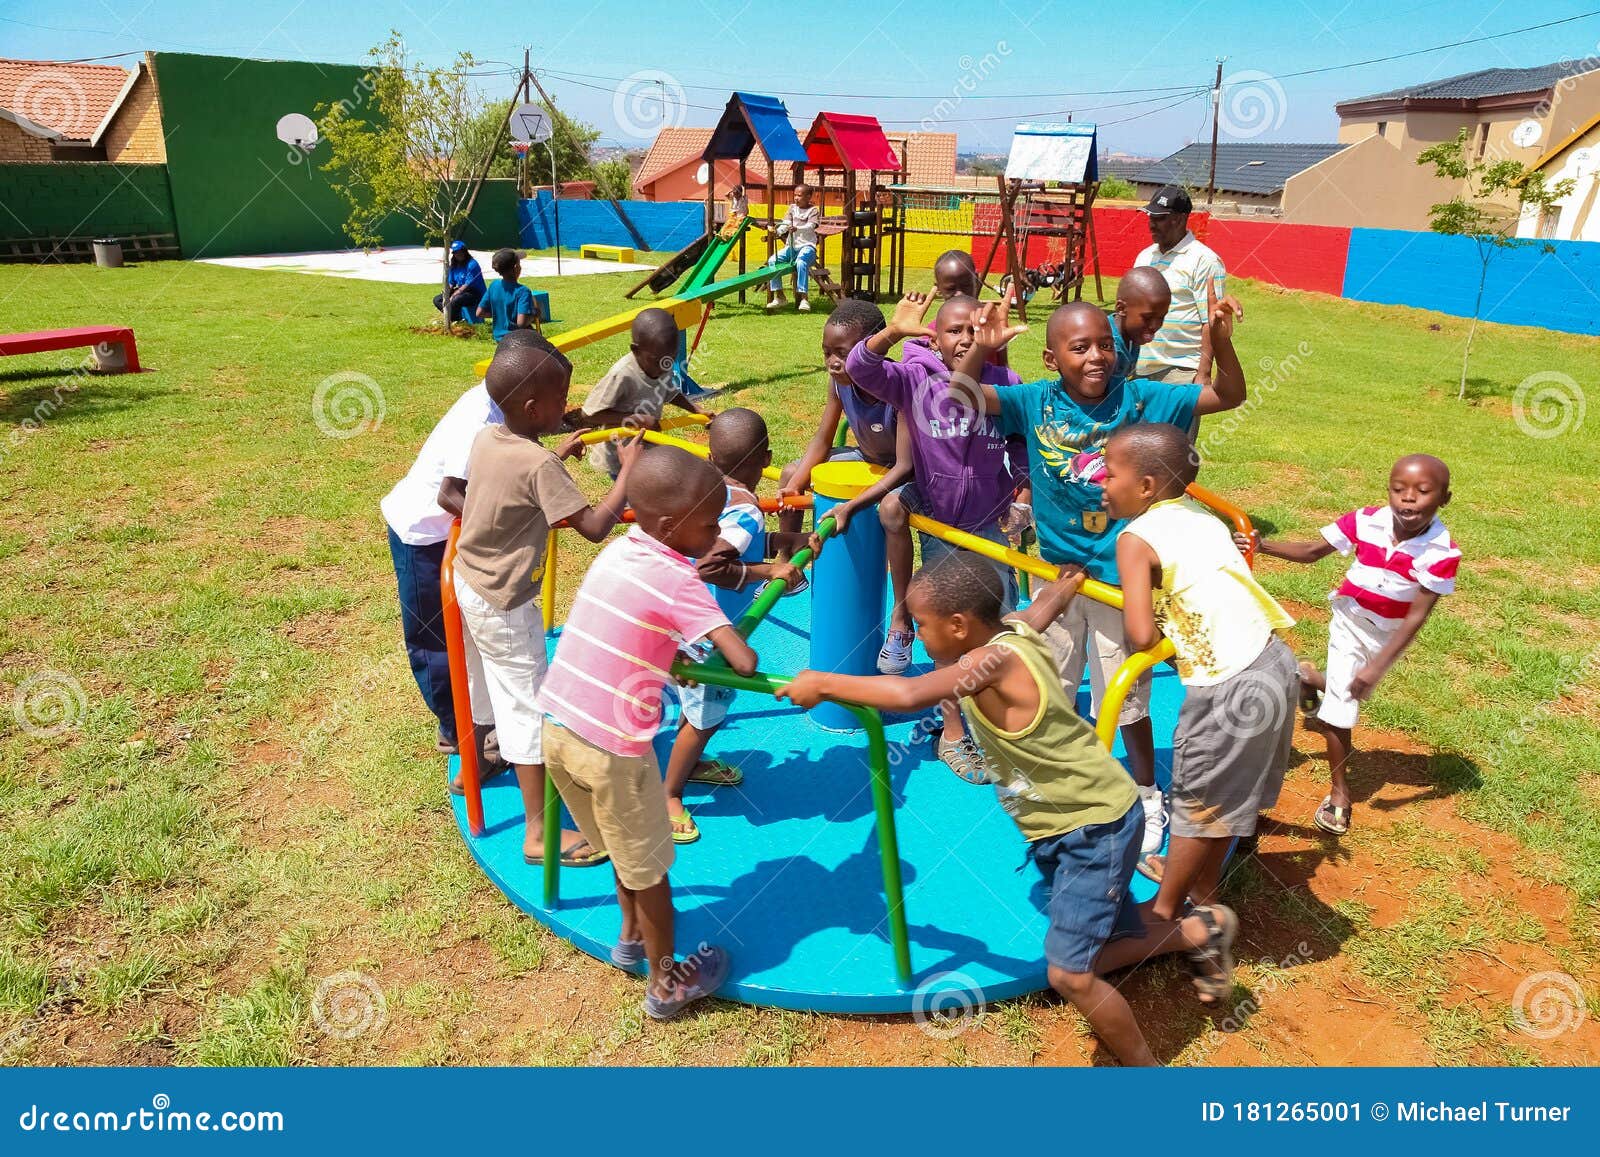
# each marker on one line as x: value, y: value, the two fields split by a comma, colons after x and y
x: 1216, y: 105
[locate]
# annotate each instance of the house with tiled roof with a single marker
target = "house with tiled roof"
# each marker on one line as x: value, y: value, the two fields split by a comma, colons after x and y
x: 1576, y: 216
x: 1251, y: 175
x: 1508, y: 113
x: 671, y: 169
x: 57, y: 111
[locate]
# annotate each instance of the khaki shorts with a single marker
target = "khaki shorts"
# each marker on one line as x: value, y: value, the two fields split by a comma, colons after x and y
x: 1091, y: 634
x: 617, y: 802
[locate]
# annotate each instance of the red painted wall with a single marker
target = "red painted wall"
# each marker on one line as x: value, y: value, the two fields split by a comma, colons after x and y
x: 1296, y: 256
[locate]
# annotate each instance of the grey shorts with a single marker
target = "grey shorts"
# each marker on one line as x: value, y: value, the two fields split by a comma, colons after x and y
x: 1231, y: 747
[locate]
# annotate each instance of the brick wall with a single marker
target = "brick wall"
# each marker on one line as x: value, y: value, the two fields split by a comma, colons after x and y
x: 83, y: 199
x: 134, y: 136
x: 17, y: 145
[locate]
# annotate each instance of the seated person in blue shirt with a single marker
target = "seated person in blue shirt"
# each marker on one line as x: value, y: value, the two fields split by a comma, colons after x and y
x: 465, y: 281
x: 509, y: 303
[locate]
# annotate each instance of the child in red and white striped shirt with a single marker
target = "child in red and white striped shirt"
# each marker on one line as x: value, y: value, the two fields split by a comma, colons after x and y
x: 1404, y: 560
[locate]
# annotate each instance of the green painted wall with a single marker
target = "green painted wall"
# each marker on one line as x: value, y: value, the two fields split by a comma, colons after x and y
x: 85, y: 199
x: 238, y: 190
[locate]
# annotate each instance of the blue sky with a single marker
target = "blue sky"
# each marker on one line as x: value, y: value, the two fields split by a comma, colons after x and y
x: 1135, y: 69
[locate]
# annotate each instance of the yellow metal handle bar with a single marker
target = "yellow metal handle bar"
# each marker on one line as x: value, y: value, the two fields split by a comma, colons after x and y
x: 1098, y: 591
x: 592, y: 436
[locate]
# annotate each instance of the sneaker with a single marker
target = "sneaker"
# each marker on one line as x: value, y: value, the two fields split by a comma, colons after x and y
x: 628, y: 954
x: 446, y: 744
x: 804, y: 306
x: 1155, y: 820
x: 772, y: 304
x: 896, y: 654
x: 714, y: 966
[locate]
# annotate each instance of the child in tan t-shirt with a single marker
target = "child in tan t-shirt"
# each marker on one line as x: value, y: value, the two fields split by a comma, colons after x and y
x: 515, y: 491
x: 637, y: 388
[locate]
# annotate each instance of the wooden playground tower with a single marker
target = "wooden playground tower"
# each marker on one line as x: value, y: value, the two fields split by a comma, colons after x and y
x: 1041, y: 208
x: 854, y: 145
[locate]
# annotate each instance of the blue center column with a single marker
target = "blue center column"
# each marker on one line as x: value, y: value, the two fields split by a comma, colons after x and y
x: 847, y: 586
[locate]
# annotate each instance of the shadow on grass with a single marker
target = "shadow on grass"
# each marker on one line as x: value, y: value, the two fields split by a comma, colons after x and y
x: 73, y: 396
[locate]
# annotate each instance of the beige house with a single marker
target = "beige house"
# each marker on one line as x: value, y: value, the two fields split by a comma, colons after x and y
x: 52, y: 111
x: 1575, y: 217
x: 1511, y: 113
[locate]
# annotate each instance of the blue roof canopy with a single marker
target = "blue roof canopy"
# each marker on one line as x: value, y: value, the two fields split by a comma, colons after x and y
x: 750, y: 120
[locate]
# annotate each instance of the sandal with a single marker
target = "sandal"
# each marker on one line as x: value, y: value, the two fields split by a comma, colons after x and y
x: 716, y: 772
x: 684, y: 829
x: 1333, y: 820
x: 573, y: 857
x: 1213, y: 964
x: 964, y: 758
x: 494, y: 771
x: 1152, y: 867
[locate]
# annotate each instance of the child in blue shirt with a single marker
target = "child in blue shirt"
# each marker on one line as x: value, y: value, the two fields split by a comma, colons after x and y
x: 510, y: 304
x: 1066, y: 419
x: 734, y: 569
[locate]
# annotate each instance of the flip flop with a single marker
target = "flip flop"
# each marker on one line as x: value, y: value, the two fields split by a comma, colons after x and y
x: 495, y: 771
x: 1333, y: 820
x: 964, y: 758
x: 688, y: 836
x: 1152, y: 867
x: 717, y: 773
x: 1213, y: 964
x: 572, y: 858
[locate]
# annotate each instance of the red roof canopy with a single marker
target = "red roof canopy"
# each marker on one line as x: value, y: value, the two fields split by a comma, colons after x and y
x: 838, y: 140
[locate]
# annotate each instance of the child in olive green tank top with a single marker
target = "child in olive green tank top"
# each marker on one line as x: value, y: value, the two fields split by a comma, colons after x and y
x: 1074, y: 804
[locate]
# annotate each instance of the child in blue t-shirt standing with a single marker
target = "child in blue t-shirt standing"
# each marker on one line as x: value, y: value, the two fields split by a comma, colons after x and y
x: 1066, y: 419
x: 508, y: 302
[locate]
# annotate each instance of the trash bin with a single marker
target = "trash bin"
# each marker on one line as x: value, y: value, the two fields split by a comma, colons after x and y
x: 108, y: 253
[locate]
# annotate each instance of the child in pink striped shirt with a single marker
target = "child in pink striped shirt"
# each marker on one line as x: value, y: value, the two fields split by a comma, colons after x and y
x: 1405, y: 560
x: 638, y: 603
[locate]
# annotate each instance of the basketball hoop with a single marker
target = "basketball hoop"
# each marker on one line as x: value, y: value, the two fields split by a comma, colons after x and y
x: 520, y: 148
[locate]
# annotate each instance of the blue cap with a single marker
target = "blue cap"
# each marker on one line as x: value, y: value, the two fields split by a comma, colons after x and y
x: 457, y: 246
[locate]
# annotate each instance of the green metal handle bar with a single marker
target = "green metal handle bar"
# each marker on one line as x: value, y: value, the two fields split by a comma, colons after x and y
x: 775, y: 589
x: 882, y: 805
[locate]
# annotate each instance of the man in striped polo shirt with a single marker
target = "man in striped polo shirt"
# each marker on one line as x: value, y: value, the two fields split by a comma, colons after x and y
x: 1405, y: 560
x: 1179, y: 354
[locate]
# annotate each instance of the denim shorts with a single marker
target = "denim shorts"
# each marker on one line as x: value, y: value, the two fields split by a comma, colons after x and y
x: 933, y: 549
x: 1089, y: 869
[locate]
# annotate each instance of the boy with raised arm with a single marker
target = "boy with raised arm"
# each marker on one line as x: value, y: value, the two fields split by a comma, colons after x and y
x: 1065, y: 418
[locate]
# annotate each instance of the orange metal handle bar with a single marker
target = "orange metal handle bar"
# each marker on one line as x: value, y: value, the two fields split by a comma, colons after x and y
x: 460, y: 696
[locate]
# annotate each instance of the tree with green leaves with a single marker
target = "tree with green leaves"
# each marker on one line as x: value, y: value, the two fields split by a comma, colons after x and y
x: 1479, y: 209
x: 613, y: 179
x: 408, y: 148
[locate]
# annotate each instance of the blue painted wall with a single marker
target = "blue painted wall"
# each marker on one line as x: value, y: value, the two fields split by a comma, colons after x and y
x: 666, y: 225
x: 1527, y: 285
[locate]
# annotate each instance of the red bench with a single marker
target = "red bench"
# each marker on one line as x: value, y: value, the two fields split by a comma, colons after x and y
x: 64, y: 339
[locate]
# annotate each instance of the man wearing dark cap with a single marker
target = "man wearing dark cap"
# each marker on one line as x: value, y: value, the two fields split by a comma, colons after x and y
x: 1179, y: 353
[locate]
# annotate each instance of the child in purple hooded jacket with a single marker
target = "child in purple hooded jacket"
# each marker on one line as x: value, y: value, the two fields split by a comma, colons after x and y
x: 966, y: 474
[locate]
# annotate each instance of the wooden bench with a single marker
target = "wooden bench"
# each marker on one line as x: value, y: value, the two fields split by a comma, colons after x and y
x: 606, y: 252
x: 98, y: 336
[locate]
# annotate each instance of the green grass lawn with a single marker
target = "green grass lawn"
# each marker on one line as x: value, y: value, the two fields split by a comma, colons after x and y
x: 217, y: 780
